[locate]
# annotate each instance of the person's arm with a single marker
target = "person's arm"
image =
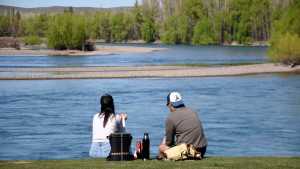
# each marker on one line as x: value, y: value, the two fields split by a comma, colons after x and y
x: 120, y: 122
x: 170, y: 132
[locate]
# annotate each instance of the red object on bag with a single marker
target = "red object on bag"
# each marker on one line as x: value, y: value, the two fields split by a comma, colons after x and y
x: 139, y: 149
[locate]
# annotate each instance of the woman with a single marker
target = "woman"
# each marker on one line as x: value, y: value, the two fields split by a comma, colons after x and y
x: 105, y: 123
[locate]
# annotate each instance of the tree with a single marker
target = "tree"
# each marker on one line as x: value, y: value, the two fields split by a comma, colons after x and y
x: 151, y: 14
x: 79, y: 33
x: 148, y: 30
x: 202, y: 33
x: 175, y: 30
x: 261, y: 20
x: 150, y: 9
x: 183, y: 29
x: 10, y: 24
x: 101, y: 26
x: 67, y: 31
x: 4, y: 26
x: 194, y: 9
x: 17, y: 22
x: 289, y: 20
x: 170, y: 35
x: 36, y: 25
x: 120, y: 26
x: 56, y: 33
x: 138, y: 21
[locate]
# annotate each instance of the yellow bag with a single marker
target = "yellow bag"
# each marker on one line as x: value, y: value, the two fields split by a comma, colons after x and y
x: 181, y: 152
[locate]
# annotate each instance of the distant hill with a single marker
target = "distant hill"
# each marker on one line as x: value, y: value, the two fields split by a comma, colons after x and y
x: 57, y: 9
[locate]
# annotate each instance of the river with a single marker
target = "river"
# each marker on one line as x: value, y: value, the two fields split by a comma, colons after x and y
x: 255, y: 115
x: 179, y: 54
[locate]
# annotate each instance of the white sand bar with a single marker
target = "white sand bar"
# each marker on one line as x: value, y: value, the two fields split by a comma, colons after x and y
x: 139, y: 72
x: 100, y: 50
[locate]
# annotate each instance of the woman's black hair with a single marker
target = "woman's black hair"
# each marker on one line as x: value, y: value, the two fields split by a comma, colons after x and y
x: 107, y: 107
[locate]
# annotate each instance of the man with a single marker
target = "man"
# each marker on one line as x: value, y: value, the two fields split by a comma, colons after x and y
x: 182, y: 124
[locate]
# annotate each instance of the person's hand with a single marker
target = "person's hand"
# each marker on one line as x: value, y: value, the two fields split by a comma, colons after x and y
x: 123, y: 116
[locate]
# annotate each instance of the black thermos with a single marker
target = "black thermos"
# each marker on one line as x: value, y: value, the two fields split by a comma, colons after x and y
x: 146, y: 146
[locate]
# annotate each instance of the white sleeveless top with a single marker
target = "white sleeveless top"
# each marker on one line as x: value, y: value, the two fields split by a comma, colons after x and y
x: 100, y: 133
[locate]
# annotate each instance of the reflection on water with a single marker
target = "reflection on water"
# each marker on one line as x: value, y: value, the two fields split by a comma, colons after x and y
x: 242, y: 116
x: 173, y: 55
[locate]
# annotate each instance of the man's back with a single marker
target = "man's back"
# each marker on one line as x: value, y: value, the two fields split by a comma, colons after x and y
x: 185, y: 125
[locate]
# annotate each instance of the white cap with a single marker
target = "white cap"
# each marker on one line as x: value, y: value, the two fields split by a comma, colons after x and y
x: 175, y: 99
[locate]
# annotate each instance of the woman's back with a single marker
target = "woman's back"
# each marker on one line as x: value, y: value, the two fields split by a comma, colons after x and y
x: 100, y: 132
x: 104, y: 124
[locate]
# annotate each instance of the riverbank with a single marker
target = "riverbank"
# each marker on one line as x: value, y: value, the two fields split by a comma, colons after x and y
x: 209, y: 163
x: 40, y: 73
x: 100, y: 50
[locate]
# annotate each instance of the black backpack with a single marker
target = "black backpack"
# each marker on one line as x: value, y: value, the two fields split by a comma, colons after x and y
x: 120, y: 147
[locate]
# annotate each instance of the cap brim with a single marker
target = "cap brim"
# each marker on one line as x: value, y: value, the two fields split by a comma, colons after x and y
x: 176, y: 104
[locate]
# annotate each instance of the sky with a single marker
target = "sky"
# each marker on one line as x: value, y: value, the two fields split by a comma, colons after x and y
x: 74, y: 3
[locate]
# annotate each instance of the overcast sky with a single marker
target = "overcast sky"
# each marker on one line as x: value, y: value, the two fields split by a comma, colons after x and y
x: 74, y: 3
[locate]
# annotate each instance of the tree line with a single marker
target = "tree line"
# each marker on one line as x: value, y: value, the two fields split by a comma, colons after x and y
x: 197, y: 22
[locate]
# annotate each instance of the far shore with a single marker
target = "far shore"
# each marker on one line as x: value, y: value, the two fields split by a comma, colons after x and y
x: 100, y: 50
x: 47, y: 73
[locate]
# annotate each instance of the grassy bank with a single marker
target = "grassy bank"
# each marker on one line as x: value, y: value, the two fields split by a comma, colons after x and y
x: 210, y: 162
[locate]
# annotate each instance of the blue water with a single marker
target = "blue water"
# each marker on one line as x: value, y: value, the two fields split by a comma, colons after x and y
x: 243, y: 115
x: 173, y: 55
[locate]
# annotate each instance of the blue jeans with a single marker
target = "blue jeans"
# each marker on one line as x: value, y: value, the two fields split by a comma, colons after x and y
x: 100, y: 149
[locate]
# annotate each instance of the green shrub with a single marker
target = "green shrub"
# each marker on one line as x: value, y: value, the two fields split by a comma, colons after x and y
x: 67, y: 31
x: 202, y: 33
x: 285, y: 48
x: 148, y: 30
x: 32, y: 40
x: 176, y: 30
x: 169, y: 37
x: 120, y: 26
x: 285, y: 40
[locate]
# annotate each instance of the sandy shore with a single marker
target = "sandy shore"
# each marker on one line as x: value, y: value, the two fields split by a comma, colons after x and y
x: 139, y: 72
x: 100, y: 50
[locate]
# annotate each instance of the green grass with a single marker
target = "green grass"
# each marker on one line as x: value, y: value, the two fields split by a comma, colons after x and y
x: 208, y: 163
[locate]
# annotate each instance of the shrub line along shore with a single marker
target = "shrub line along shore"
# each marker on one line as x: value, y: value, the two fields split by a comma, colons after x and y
x: 34, y: 73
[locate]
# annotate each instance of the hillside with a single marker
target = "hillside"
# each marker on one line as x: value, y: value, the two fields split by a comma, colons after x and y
x: 57, y: 9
